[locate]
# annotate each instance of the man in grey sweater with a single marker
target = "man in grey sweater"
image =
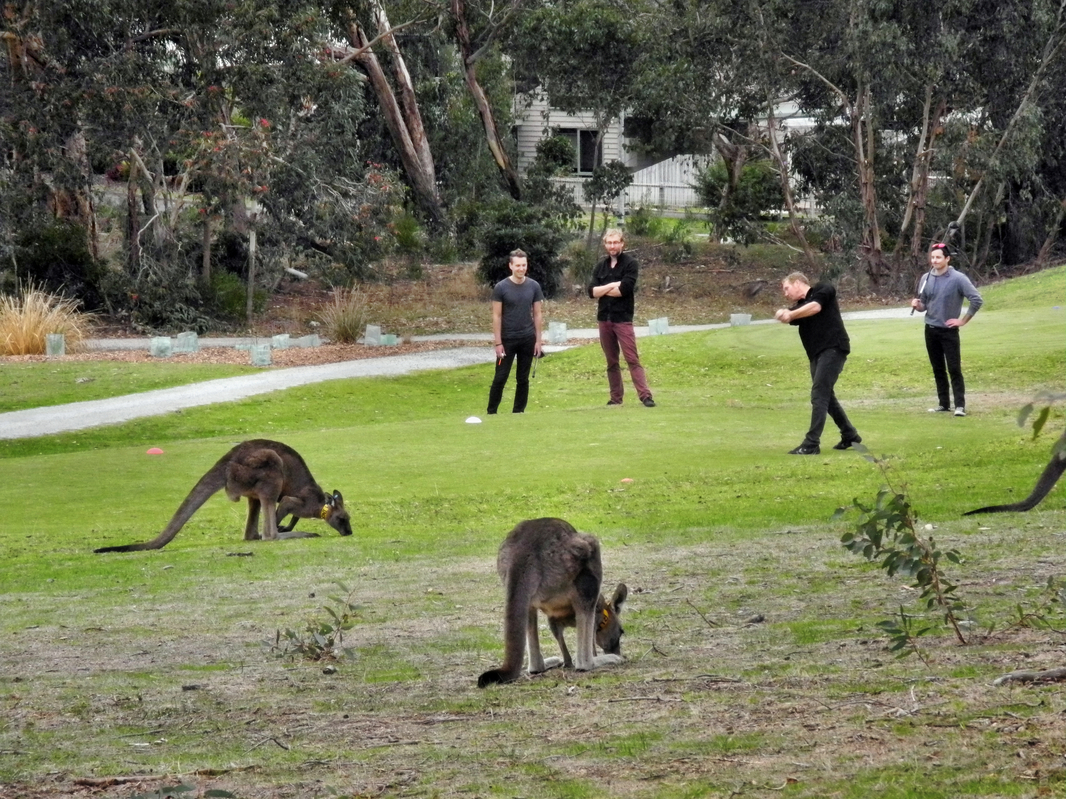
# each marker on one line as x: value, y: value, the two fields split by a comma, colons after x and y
x: 940, y: 295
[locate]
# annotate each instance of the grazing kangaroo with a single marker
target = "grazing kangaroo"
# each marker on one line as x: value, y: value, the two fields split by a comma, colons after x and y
x: 273, y: 477
x: 549, y: 566
x: 1043, y: 487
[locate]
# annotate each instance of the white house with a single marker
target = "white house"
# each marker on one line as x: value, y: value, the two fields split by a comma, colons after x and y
x: 663, y: 183
x: 666, y: 183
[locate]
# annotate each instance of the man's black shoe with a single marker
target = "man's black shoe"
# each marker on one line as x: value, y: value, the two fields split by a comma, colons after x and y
x: 805, y: 450
x: 614, y: 402
x: 845, y: 443
x: 648, y: 402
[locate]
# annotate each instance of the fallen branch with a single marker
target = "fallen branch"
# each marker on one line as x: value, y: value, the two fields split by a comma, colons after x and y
x: 708, y: 677
x: 709, y: 622
x: 1051, y: 675
x: 108, y: 782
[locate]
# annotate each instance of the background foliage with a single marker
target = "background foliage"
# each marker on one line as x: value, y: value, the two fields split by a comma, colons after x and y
x: 154, y: 136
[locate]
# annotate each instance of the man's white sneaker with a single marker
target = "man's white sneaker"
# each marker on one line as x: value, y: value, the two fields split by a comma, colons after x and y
x: 940, y: 409
x: 960, y: 411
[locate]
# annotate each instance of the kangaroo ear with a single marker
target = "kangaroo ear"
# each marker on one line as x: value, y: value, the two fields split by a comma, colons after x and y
x: 620, y: 594
x: 338, y: 500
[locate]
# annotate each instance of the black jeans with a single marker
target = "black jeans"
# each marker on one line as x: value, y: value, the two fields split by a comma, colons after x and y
x: 826, y: 367
x: 522, y: 349
x: 945, y: 356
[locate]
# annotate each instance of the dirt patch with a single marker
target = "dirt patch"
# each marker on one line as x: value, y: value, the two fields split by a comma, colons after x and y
x: 704, y: 288
x: 743, y: 677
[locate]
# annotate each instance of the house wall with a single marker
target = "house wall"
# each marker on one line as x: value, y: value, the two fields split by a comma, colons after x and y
x: 534, y: 118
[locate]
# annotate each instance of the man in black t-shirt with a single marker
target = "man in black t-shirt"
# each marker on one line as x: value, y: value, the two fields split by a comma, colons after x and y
x: 816, y: 313
x: 516, y: 329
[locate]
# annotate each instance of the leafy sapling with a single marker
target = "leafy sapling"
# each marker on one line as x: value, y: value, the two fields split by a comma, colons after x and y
x: 886, y: 533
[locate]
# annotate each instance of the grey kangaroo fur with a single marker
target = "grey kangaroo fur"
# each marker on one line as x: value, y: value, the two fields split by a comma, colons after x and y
x: 274, y: 478
x: 1043, y: 487
x: 549, y: 566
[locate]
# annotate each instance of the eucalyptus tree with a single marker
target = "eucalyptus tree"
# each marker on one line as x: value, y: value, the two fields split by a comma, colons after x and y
x: 923, y: 108
x: 477, y: 31
x: 236, y: 101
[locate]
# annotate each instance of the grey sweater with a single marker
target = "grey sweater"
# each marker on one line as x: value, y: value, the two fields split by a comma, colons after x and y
x: 942, y: 297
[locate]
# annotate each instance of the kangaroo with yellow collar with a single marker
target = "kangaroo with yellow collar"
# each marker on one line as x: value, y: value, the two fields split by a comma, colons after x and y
x: 274, y: 478
x: 549, y: 566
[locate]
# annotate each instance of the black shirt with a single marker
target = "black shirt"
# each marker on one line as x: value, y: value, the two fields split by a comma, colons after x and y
x: 615, y: 309
x: 825, y: 329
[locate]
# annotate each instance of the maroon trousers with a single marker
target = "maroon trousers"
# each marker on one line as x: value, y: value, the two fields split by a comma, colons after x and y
x: 618, y: 338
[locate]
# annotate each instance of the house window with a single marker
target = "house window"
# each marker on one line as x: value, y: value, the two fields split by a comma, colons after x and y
x: 588, y: 157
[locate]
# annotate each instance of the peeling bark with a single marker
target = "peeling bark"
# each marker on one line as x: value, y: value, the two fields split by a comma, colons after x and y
x: 416, y: 159
x: 492, y: 132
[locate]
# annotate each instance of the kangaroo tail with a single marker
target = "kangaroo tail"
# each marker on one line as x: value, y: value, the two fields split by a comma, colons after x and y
x: 1043, y: 487
x: 210, y: 483
x: 519, y: 587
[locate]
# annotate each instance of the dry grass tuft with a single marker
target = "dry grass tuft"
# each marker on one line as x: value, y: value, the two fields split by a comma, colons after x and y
x: 26, y: 319
x: 344, y: 318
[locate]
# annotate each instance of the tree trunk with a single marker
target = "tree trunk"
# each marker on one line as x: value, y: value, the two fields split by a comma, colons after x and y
x: 423, y: 180
x: 205, y: 260
x: 786, y: 187
x: 133, y: 221
x: 146, y: 180
x: 981, y: 250
x: 864, y: 143
x: 590, y: 239
x: 734, y: 156
x: 488, y: 119
x: 918, y: 190
x: 860, y: 109
x: 1044, y: 255
x: 75, y: 202
x: 249, y: 308
x: 406, y: 91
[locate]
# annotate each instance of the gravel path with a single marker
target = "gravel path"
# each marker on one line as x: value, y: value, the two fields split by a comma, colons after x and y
x: 49, y: 420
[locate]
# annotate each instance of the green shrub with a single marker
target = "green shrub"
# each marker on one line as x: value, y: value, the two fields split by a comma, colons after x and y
x: 511, y: 225
x: 677, y: 240
x: 409, y: 235
x: 582, y: 261
x: 757, y: 192
x: 229, y: 297
x: 55, y: 257
x: 321, y: 638
x: 645, y: 222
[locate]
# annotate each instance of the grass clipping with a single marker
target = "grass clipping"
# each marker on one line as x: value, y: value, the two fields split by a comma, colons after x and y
x: 26, y: 320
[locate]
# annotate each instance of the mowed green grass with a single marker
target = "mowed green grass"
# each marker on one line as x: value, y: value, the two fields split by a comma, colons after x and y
x: 695, y: 500
x: 711, y: 459
x: 37, y: 385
